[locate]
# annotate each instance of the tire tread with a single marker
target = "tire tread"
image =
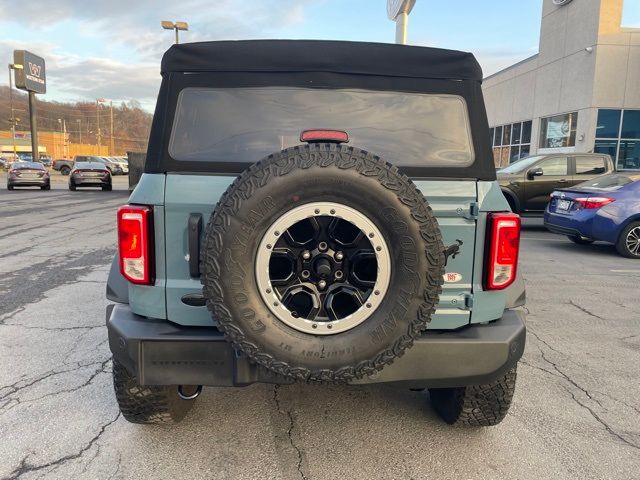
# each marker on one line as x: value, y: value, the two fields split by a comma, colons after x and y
x: 146, y: 404
x: 476, y: 405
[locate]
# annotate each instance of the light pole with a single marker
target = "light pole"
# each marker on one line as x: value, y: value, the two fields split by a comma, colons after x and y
x: 169, y: 25
x: 102, y: 100
x: 398, y: 11
x: 57, y: 146
x: 80, y: 129
x: 98, y: 124
x: 13, y: 66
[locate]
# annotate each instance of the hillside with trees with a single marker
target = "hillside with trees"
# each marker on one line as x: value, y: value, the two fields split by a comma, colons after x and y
x: 131, y: 123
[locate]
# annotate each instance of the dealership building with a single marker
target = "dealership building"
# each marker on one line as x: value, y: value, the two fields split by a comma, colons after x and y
x: 579, y: 93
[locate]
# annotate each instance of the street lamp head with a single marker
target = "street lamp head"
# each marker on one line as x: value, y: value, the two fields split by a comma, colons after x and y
x: 167, y: 25
x: 182, y: 25
x: 16, y: 66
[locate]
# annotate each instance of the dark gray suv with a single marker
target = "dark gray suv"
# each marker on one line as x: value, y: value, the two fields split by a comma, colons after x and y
x: 528, y: 183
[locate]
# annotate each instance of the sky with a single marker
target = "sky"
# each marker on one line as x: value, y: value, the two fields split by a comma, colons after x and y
x: 112, y: 49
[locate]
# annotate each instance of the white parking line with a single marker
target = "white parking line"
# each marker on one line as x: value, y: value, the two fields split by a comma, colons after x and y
x: 625, y: 271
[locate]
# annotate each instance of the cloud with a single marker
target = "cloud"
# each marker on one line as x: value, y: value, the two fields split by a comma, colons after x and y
x: 137, y: 23
x: 133, y: 26
x: 71, y: 77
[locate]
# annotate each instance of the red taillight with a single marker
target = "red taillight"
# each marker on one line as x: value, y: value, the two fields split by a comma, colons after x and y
x: 503, y: 236
x: 594, y: 202
x: 324, y: 136
x: 135, y: 243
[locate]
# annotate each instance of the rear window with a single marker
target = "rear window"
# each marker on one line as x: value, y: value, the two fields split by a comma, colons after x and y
x: 590, y: 165
x: 247, y: 124
x: 93, y: 165
x: 29, y: 165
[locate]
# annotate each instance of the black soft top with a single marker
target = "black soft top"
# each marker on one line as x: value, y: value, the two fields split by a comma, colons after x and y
x: 318, y: 64
x: 357, y: 58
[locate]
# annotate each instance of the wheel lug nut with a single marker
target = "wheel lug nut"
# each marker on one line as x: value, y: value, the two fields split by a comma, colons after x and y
x: 306, y: 255
x: 339, y: 256
x: 338, y: 274
x: 322, y: 284
x: 322, y: 246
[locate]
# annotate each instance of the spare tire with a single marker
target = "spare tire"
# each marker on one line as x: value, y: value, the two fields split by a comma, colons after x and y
x: 322, y: 263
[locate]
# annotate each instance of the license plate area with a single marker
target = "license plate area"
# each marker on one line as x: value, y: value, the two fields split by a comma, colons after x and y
x: 563, y: 206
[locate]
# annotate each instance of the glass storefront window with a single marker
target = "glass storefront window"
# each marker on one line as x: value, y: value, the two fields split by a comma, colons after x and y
x: 506, y: 135
x: 515, y: 138
x: 608, y: 123
x: 498, y: 137
x: 515, y: 154
x: 630, y: 124
x: 619, y: 139
x: 610, y: 147
x: 515, y: 133
x: 629, y: 154
x: 558, y: 131
x: 526, y: 132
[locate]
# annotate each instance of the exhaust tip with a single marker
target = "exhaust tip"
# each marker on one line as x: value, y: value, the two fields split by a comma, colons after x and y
x: 189, y: 396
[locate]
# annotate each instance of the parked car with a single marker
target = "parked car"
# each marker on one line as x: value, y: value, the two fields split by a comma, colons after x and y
x: 45, y: 160
x: 122, y: 162
x: 90, y: 174
x: 114, y: 166
x: 527, y: 183
x: 28, y: 174
x: 325, y: 258
x: 606, y: 208
x: 4, y: 163
x: 64, y: 165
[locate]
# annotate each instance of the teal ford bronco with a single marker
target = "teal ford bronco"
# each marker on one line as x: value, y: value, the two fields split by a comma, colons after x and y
x: 317, y: 212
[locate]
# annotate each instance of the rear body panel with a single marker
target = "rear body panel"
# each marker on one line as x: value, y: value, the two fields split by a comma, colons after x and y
x: 27, y: 177
x: 460, y: 207
x: 459, y: 195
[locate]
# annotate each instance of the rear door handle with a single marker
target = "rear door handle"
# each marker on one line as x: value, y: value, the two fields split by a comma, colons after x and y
x: 563, y: 180
x: 195, y: 229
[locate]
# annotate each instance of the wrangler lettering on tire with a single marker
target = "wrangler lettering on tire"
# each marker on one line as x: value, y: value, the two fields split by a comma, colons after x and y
x: 322, y: 263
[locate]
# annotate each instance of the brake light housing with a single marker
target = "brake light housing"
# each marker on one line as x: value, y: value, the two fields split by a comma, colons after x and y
x: 135, y: 243
x: 502, y: 250
x: 324, y: 135
x: 594, y: 202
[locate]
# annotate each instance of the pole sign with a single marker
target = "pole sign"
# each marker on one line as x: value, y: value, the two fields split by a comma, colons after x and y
x: 397, y: 7
x: 31, y: 77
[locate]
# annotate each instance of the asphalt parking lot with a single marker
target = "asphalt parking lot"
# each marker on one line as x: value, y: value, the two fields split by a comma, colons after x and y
x: 575, y: 413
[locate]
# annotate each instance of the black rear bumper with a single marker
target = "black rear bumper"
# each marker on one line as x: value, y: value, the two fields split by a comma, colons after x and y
x: 159, y: 352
